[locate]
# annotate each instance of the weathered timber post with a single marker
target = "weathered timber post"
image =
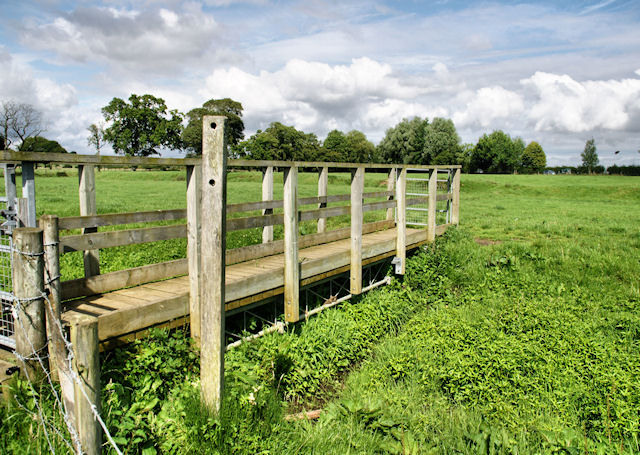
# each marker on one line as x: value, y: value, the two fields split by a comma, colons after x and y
x: 391, y: 184
x: 194, y: 233
x: 29, y: 192
x: 323, y: 185
x: 267, y: 195
x: 455, y: 197
x: 86, y: 364
x: 357, y: 190
x: 22, y: 212
x: 291, y: 266
x: 28, y: 288
x: 431, y: 214
x: 57, y: 348
x: 10, y: 186
x: 51, y: 240
x: 213, y: 250
x: 401, y: 225
x: 87, y: 198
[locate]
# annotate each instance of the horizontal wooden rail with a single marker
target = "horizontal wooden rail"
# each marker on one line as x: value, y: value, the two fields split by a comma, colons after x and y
x: 108, y: 282
x: 111, y: 219
x: 103, y: 160
x: 111, y: 239
x: 331, y: 165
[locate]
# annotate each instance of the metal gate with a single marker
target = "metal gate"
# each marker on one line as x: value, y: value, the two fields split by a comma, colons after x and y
x: 418, y: 186
x: 9, y: 222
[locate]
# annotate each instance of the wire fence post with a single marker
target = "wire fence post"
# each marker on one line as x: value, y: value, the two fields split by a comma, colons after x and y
x: 28, y: 289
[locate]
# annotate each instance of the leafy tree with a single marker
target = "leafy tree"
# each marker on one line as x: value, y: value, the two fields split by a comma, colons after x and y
x: 281, y: 142
x: 533, y: 158
x: 40, y: 144
x: 404, y: 143
x: 441, y: 143
x: 589, y: 155
x: 496, y: 153
x: 192, y: 133
x: 96, y: 136
x: 141, y: 126
x: 361, y: 150
x: 19, y: 121
x: 464, y: 157
x: 335, y: 147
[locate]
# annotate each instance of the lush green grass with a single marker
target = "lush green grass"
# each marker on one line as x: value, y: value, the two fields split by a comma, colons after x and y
x: 519, y: 332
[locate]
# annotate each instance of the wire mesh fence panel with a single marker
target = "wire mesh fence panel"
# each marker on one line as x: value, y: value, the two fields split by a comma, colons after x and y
x: 7, y: 328
x: 417, y: 186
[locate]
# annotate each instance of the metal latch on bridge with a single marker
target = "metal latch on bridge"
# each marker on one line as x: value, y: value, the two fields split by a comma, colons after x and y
x: 397, y: 262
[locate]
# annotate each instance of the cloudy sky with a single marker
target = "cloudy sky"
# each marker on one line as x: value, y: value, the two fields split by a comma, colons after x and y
x: 558, y: 72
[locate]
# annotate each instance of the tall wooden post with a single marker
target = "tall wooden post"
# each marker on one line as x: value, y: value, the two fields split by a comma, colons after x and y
x: 431, y: 214
x: 194, y: 201
x: 29, y: 192
x: 291, y: 266
x: 267, y: 195
x: 87, y: 199
x: 455, y: 197
x: 10, y: 185
x: 391, y: 184
x: 323, y: 186
x: 86, y: 364
x: 57, y: 349
x: 28, y: 289
x: 357, y: 190
x: 213, y: 250
x: 401, y: 225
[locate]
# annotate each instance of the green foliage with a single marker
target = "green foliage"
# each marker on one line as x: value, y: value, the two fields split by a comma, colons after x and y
x: 353, y: 147
x: 141, y: 126
x: 404, y: 143
x: 41, y: 145
x: 192, y: 133
x: 335, y: 147
x: 496, y: 153
x: 589, y: 155
x: 441, y: 143
x: 534, y: 159
x: 281, y: 142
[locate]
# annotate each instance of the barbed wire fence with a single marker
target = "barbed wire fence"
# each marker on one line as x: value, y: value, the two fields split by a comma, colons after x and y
x: 36, y: 368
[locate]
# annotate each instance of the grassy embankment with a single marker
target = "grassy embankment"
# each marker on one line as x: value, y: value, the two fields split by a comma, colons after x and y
x: 517, y: 333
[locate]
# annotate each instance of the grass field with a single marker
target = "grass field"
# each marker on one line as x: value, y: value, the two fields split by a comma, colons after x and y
x: 517, y: 333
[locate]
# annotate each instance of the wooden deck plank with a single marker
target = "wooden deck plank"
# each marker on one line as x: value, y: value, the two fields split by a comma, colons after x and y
x: 133, y: 309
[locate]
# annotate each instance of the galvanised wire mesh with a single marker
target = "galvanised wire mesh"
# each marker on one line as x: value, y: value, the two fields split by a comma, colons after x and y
x: 7, y: 328
x: 418, y: 186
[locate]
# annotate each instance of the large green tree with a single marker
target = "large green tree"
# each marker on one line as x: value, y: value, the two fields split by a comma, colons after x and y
x: 281, y: 142
x: 41, y: 144
x: 496, y: 153
x: 142, y: 125
x: 335, y: 147
x: 590, y: 155
x: 192, y: 133
x: 534, y: 159
x: 404, y: 143
x: 441, y: 143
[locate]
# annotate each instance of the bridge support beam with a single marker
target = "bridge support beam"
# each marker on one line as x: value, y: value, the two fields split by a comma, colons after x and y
x: 291, y: 265
x: 357, y: 190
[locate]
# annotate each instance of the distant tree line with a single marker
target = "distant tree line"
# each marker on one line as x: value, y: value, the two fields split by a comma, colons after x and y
x: 143, y: 126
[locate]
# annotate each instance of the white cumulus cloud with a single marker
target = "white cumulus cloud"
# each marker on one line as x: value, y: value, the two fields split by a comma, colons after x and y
x: 563, y: 104
x: 488, y: 107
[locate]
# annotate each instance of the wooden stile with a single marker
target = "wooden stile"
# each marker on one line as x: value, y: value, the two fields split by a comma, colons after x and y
x: 291, y: 266
x: 213, y: 250
x: 194, y: 205
x: 357, y: 190
x: 87, y: 198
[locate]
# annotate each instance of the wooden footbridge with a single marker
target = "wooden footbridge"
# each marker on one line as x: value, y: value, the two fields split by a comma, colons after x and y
x: 212, y: 280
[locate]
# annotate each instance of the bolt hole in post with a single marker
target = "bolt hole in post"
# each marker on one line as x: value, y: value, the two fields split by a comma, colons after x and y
x: 212, y: 182
x: 213, y: 125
